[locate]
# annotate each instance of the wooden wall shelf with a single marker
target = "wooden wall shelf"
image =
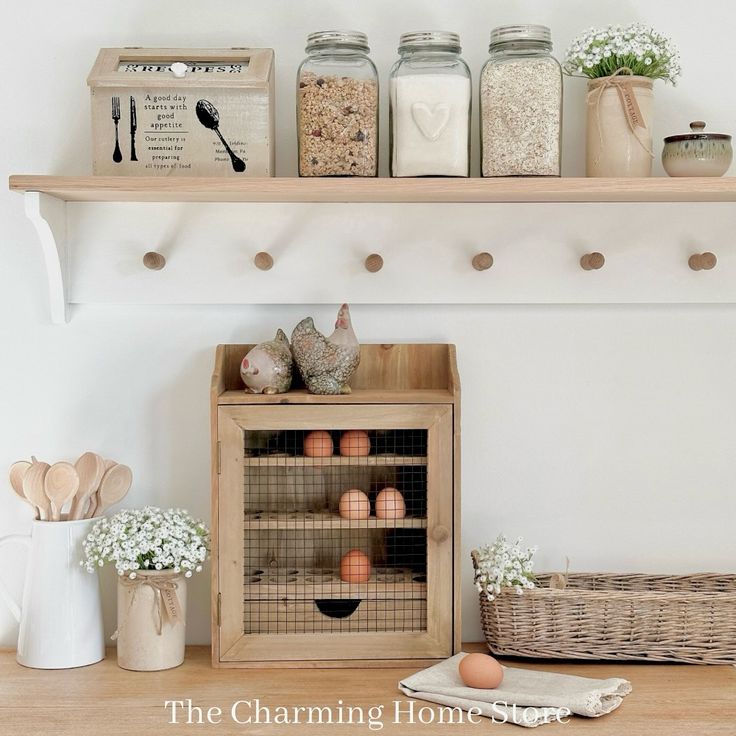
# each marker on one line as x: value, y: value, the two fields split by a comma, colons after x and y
x: 153, y: 240
x: 196, y: 189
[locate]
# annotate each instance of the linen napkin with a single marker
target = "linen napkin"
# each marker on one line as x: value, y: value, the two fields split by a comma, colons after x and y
x: 525, y: 697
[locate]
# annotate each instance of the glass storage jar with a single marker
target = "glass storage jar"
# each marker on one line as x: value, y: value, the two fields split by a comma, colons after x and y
x: 429, y: 107
x: 337, y: 106
x: 521, y: 104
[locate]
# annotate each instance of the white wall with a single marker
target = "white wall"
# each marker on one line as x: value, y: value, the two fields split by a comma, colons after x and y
x: 606, y: 433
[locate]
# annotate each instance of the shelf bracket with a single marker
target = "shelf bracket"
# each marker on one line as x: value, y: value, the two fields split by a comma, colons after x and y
x: 48, y: 215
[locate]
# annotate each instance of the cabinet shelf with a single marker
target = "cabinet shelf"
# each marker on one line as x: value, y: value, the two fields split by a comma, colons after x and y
x: 292, y: 189
x: 292, y: 461
x: 325, y: 520
x: 235, y: 397
x: 384, y: 583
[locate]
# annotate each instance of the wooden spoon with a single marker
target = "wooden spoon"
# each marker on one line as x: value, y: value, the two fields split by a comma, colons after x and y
x: 94, y: 499
x: 60, y: 484
x: 17, y: 471
x: 115, y: 484
x: 33, y: 483
x: 90, y: 469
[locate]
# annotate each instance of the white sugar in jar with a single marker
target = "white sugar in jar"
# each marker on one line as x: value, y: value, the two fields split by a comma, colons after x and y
x: 429, y: 96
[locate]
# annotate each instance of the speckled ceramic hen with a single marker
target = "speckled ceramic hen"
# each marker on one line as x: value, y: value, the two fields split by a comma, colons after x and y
x: 326, y: 363
x: 267, y: 368
x: 697, y: 153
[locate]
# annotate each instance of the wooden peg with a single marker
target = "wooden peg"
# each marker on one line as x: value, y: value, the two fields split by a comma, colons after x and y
x: 264, y: 261
x: 702, y: 261
x: 482, y: 261
x: 374, y: 263
x: 153, y: 260
x: 592, y: 261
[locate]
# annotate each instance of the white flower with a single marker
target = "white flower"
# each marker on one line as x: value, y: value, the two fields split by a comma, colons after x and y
x: 147, y: 539
x: 502, y: 565
x: 635, y: 47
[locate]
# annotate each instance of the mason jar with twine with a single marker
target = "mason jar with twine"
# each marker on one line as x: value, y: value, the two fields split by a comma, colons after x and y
x: 619, y: 125
x: 151, y: 620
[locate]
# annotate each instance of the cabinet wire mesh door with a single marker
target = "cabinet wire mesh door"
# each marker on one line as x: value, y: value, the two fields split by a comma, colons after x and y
x: 333, y: 529
x: 335, y: 543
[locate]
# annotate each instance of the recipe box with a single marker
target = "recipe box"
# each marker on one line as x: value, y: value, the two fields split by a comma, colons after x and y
x: 183, y: 112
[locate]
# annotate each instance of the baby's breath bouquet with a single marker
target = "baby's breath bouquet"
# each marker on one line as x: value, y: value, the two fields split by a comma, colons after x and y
x: 634, y: 49
x: 503, y: 565
x: 148, y: 539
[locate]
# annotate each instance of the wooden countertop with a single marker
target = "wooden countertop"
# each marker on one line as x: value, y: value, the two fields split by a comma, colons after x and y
x: 103, y: 699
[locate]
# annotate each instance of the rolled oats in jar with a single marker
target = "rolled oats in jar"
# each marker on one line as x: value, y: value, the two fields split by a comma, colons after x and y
x: 337, y: 106
x: 521, y: 104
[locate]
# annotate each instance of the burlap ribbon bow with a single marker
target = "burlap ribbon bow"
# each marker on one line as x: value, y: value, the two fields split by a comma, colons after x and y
x: 165, y: 600
x: 621, y: 81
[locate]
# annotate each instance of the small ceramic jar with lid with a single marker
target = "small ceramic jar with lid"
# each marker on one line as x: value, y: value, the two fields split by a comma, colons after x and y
x: 697, y: 153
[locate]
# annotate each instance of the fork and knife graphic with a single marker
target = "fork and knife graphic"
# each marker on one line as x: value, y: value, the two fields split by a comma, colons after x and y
x: 117, y: 155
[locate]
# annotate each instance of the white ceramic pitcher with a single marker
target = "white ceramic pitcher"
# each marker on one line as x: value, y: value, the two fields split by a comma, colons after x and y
x: 61, y: 614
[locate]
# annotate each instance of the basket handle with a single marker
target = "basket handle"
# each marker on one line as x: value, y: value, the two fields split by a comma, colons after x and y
x: 474, y: 557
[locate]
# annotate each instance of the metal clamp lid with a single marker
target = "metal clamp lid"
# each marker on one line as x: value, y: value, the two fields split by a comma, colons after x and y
x: 346, y: 39
x: 418, y: 39
x: 524, y: 32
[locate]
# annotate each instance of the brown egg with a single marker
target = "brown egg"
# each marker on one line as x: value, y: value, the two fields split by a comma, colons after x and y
x: 355, y: 567
x: 354, y: 504
x: 318, y: 443
x: 390, y: 504
x: 355, y: 443
x: 480, y: 671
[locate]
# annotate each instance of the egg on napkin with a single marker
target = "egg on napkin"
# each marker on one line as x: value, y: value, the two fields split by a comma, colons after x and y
x: 480, y: 671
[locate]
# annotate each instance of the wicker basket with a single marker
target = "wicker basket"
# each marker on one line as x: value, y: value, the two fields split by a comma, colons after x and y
x: 667, y: 618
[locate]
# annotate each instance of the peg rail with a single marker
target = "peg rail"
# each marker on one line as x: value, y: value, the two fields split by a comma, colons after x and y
x: 130, y: 240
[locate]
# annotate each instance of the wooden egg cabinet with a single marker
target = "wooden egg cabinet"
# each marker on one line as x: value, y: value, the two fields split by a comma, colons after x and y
x: 278, y: 538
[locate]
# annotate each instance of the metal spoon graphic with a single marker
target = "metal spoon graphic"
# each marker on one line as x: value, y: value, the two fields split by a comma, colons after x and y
x: 210, y: 118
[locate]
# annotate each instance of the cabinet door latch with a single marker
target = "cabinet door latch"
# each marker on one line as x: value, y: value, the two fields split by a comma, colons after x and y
x: 219, y: 457
x: 219, y: 609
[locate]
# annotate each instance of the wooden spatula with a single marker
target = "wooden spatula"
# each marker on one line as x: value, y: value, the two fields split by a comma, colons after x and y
x: 115, y: 484
x: 60, y: 484
x: 90, y: 469
x: 33, y: 488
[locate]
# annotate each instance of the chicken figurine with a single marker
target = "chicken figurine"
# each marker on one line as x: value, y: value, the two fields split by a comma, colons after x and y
x: 326, y: 363
x: 267, y: 368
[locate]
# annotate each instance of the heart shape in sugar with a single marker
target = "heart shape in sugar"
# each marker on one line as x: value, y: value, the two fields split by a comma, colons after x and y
x: 431, y: 121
